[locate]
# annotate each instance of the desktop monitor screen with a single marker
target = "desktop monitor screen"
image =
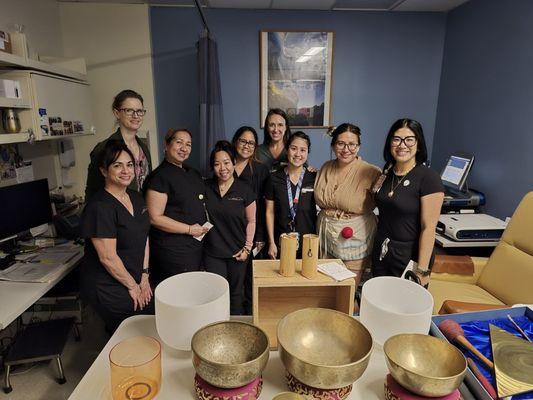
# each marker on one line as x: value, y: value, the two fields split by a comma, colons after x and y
x: 24, y: 206
x: 456, y: 171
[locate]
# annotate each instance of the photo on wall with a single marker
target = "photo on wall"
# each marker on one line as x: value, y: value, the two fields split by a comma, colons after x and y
x: 296, y: 72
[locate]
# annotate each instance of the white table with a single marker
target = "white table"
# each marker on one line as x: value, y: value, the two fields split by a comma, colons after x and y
x: 178, y: 372
x: 16, y: 297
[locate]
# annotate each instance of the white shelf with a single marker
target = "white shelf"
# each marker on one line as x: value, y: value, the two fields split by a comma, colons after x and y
x: 13, y: 103
x: 11, y: 60
x: 7, y: 138
x: 71, y: 135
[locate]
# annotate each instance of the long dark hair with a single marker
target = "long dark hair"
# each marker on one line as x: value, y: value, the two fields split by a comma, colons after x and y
x: 416, y: 128
x: 276, y: 111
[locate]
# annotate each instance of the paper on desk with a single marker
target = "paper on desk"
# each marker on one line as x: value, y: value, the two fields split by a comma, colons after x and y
x: 336, y: 271
x: 207, y: 225
x: 30, y: 272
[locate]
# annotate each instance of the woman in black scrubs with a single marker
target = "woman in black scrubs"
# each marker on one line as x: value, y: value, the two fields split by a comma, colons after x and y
x: 409, y: 197
x: 231, y: 207
x: 175, y: 198
x: 290, y: 200
x: 115, y: 224
x: 255, y: 174
x: 272, y: 153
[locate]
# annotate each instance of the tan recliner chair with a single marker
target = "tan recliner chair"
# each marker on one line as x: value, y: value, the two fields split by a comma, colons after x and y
x: 504, y: 279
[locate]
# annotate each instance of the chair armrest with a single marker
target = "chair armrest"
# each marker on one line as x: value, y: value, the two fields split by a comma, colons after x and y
x: 453, y: 307
x: 442, y: 272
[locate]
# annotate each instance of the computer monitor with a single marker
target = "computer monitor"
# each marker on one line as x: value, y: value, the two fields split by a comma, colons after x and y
x: 24, y: 206
x: 456, y: 171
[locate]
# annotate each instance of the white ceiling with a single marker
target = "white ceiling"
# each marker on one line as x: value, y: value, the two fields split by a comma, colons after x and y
x: 326, y: 5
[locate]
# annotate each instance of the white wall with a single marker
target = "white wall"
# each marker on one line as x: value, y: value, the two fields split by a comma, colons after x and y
x: 114, y: 39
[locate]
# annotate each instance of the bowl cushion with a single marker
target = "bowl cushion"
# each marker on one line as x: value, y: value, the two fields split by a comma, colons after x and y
x: 205, y: 391
x: 394, y: 391
x: 311, y: 393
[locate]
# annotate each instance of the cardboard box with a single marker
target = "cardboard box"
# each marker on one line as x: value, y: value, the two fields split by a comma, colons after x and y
x: 5, y: 42
x: 471, y: 381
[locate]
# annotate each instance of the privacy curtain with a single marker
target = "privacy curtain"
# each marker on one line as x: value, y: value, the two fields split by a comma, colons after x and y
x: 211, y: 115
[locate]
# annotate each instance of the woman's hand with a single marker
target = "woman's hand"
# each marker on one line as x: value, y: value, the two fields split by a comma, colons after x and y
x: 273, y: 251
x: 424, y: 280
x: 135, y: 294
x: 242, y: 254
x: 146, y: 290
x: 197, y: 230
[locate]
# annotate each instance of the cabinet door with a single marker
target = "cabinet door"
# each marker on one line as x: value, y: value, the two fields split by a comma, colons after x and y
x: 61, y: 98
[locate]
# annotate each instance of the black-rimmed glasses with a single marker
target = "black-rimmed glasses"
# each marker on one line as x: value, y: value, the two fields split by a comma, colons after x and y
x: 409, y: 141
x: 244, y: 142
x: 342, y: 145
x: 131, y: 111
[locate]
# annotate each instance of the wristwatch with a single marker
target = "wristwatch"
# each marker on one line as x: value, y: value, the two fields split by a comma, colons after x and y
x: 146, y: 271
x: 423, y: 272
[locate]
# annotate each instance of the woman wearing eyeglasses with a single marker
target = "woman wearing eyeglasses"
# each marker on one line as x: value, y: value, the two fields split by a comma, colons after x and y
x: 272, y: 152
x: 128, y: 109
x: 346, y: 223
x: 409, y: 197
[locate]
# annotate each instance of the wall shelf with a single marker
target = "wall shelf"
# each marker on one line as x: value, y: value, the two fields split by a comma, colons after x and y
x: 72, y: 135
x: 13, y: 103
x: 8, y: 138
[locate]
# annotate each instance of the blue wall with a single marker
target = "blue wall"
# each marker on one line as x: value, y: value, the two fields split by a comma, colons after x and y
x: 386, y: 66
x: 486, y: 98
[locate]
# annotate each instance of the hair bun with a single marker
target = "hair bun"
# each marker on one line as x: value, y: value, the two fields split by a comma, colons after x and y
x: 330, y: 130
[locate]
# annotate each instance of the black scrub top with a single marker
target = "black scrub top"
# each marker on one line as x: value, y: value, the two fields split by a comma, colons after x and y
x: 399, y: 215
x: 276, y: 190
x: 273, y: 164
x: 256, y: 176
x: 185, y: 192
x: 105, y: 217
x: 228, y: 216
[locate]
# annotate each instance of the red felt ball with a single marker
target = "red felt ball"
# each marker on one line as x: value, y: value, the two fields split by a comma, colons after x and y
x: 347, y: 232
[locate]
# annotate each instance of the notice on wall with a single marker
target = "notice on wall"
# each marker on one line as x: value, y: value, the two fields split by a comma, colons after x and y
x: 25, y: 172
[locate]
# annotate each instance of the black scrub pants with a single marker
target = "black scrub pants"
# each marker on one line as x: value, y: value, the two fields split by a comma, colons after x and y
x: 234, y: 271
x: 166, y: 263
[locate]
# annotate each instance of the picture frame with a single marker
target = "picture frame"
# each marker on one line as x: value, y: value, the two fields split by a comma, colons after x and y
x: 296, y: 76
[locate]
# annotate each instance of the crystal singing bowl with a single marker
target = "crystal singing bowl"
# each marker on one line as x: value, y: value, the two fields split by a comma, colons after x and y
x: 323, y: 348
x: 229, y: 354
x: 424, y: 364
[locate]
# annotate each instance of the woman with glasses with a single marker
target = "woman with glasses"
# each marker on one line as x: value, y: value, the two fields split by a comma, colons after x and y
x: 175, y: 195
x: 255, y: 174
x: 343, y: 192
x: 129, y: 112
x: 290, y: 204
x: 272, y: 152
x: 409, y: 198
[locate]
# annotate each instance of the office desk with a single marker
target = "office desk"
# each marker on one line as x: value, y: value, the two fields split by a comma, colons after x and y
x: 16, y: 297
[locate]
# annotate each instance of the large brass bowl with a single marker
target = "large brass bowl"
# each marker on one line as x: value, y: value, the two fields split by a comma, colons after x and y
x: 323, y: 348
x: 425, y: 365
x: 229, y: 354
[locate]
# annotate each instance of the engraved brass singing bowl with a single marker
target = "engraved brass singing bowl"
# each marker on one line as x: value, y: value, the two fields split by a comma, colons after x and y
x: 425, y: 365
x: 229, y: 354
x: 323, y: 348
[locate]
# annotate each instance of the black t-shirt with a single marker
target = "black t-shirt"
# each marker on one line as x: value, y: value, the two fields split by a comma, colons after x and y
x: 276, y: 190
x: 256, y: 176
x: 185, y: 192
x: 105, y: 217
x: 227, y: 214
x: 399, y: 215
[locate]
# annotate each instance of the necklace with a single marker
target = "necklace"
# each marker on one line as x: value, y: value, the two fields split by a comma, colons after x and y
x: 394, y: 187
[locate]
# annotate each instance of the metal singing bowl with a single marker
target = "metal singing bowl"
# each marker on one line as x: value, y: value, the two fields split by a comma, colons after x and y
x: 229, y: 354
x: 323, y: 348
x: 425, y: 365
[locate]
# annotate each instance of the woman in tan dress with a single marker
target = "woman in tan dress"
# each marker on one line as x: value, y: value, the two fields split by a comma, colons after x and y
x: 346, y: 223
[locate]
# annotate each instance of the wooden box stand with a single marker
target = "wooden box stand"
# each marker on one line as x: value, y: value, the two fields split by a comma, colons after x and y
x: 275, y: 296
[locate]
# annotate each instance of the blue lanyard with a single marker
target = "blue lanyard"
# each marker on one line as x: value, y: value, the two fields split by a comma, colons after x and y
x: 293, y: 203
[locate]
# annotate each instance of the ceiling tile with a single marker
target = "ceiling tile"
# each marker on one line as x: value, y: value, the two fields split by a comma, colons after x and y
x: 425, y: 5
x: 253, y: 4
x: 303, y: 4
x: 364, y: 4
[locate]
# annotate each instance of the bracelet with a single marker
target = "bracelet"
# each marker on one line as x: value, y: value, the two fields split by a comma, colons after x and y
x: 189, y: 230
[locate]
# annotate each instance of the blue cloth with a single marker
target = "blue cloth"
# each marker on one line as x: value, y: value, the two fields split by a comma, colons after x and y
x: 477, y: 332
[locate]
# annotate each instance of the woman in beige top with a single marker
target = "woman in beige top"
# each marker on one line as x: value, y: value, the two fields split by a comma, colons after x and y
x: 346, y: 223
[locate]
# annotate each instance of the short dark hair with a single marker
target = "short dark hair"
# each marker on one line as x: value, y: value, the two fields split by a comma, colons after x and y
x: 222, y: 145
x: 345, y: 127
x: 276, y: 111
x: 172, y: 132
x: 240, y: 131
x: 416, y: 128
x: 111, y: 152
x: 123, y: 95
x: 298, y: 135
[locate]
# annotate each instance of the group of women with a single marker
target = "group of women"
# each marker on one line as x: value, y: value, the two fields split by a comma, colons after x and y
x: 182, y: 222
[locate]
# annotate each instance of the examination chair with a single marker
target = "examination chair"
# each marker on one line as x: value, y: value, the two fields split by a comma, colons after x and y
x: 504, y: 279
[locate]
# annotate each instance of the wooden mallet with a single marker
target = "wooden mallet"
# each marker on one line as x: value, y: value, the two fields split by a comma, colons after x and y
x: 454, y: 333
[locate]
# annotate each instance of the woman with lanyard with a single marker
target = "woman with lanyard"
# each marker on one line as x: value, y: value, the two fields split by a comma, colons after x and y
x: 409, y: 197
x: 175, y: 195
x: 115, y: 224
x: 231, y: 207
x: 129, y: 112
x: 272, y: 152
x: 343, y: 192
x: 255, y: 174
x: 290, y: 203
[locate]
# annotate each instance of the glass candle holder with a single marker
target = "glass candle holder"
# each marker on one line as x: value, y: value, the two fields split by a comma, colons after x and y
x: 135, y: 368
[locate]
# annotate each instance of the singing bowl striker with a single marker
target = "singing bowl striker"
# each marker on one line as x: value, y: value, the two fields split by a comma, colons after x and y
x: 425, y: 365
x: 229, y: 354
x: 323, y: 348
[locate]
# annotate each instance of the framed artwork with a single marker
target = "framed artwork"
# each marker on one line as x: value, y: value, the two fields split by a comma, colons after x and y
x: 296, y: 68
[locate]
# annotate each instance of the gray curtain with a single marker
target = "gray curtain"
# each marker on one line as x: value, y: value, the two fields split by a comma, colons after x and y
x: 211, y: 115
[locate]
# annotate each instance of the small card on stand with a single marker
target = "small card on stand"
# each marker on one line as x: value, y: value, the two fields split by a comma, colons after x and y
x: 336, y: 271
